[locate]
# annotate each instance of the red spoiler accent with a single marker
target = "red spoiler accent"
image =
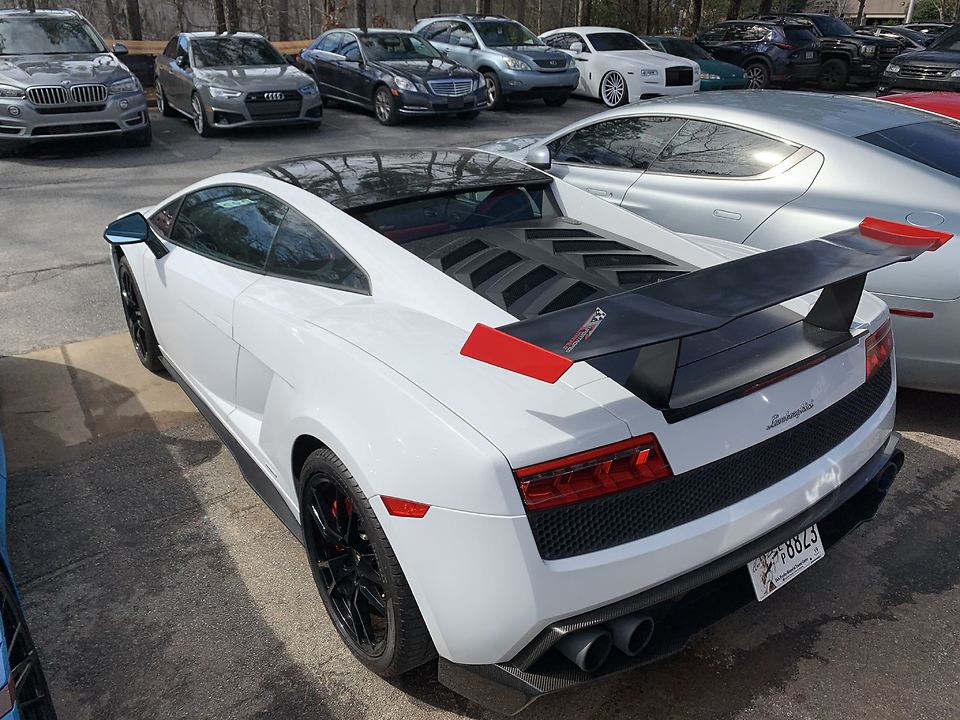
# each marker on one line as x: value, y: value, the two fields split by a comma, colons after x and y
x: 902, y: 234
x: 494, y: 347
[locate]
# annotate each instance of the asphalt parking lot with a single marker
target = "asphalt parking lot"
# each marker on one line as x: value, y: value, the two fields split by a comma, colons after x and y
x: 158, y: 585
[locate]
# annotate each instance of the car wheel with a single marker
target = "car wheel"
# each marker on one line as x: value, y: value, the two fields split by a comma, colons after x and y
x: 758, y: 75
x: 26, y: 673
x: 139, y: 138
x: 495, y: 99
x: 613, y: 89
x: 200, y: 123
x: 138, y: 321
x: 356, y: 572
x: 469, y: 115
x: 385, y: 106
x: 834, y: 75
x: 162, y: 105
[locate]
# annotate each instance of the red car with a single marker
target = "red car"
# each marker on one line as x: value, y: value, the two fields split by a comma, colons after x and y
x: 942, y: 103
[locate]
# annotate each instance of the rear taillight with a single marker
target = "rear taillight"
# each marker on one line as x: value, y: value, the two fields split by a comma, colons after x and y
x: 589, y: 474
x: 879, y: 347
x: 785, y: 46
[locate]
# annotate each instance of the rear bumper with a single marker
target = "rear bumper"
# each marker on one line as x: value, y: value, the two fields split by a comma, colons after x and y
x: 681, y: 607
x: 22, y: 123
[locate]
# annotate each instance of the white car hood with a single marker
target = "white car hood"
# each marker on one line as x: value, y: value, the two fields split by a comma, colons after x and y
x: 650, y: 58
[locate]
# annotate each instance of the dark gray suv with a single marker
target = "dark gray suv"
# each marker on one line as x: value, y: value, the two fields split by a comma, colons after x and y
x: 58, y: 79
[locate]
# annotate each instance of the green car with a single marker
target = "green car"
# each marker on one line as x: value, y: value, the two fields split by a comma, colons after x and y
x: 714, y: 74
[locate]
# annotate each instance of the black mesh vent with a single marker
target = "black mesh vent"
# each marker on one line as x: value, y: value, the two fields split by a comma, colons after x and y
x: 463, y: 252
x: 556, y: 233
x: 532, y: 280
x: 633, y: 514
x: 574, y: 294
x: 636, y: 278
x: 486, y: 271
x: 585, y: 246
x: 621, y: 259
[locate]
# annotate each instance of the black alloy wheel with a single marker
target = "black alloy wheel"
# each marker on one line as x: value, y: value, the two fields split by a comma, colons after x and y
x: 26, y: 674
x: 758, y: 76
x: 138, y: 322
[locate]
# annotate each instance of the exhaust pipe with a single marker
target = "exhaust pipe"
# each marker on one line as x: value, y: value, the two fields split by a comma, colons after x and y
x: 587, y: 649
x: 631, y: 633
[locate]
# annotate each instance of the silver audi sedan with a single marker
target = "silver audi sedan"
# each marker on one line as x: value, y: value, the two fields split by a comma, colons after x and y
x: 770, y: 168
x: 230, y: 80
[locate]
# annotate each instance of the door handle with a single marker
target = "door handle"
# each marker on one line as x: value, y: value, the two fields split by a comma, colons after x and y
x: 727, y: 214
x: 598, y: 192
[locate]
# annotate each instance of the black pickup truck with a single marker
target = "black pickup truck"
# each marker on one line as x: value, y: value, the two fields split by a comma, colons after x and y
x: 846, y: 57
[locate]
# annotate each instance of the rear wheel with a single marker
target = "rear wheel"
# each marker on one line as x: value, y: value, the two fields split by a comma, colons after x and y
x: 162, y: 105
x: 385, y: 106
x: 495, y: 97
x: 138, y: 322
x: 758, y: 75
x: 834, y: 75
x: 356, y: 572
x: 613, y: 89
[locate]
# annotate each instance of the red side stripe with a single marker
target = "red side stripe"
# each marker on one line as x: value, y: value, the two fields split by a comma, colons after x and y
x: 903, y: 234
x: 494, y: 347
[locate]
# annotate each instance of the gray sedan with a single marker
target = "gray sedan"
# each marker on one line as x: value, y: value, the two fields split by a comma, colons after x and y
x: 771, y: 168
x: 223, y: 81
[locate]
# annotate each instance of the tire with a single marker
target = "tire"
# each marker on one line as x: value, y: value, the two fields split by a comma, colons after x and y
x: 342, y: 532
x: 613, y: 90
x: 495, y: 99
x: 33, y: 694
x: 556, y: 100
x: 469, y: 115
x: 138, y: 321
x: 200, y: 123
x: 834, y: 75
x: 162, y: 105
x: 385, y: 106
x: 758, y: 75
x: 139, y: 138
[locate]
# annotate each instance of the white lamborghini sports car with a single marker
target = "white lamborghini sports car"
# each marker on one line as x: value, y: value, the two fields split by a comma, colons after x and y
x: 515, y: 427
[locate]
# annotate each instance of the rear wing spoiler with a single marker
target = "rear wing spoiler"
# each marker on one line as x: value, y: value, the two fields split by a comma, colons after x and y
x: 655, y: 319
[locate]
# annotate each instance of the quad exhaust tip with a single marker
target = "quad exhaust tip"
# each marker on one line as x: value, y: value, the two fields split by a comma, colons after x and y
x: 631, y: 633
x: 587, y: 649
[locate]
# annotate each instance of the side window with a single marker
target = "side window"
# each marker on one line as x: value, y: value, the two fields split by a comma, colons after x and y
x: 183, y: 48
x: 232, y: 224
x: 350, y: 49
x: 163, y: 219
x: 748, y: 33
x: 561, y: 41
x: 171, y: 49
x: 629, y: 143
x: 715, y: 34
x: 301, y: 251
x: 458, y: 31
x: 437, y: 32
x: 577, y: 38
x: 702, y: 148
x: 330, y: 42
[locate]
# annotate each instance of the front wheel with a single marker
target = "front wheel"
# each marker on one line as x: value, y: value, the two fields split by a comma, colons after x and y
x: 495, y: 99
x: 834, y: 75
x: 385, y: 106
x: 357, y: 574
x: 138, y: 322
x: 200, y: 123
x: 613, y: 89
x: 758, y: 76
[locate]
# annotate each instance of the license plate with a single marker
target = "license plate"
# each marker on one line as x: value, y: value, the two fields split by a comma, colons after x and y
x: 455, y: 102
x: 775, y: 568
x: 808, y: 54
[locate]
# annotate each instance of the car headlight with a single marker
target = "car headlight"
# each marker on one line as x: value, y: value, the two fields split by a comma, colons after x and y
x: 8, y: 91
x: 955, y: 74
x: 709, y: 76
x: 127, y: 85
x: 868, y: 50
x: 309, y: 89
x: 893, y: 68
x: 224, y: 93
x: 405, y: 84
x: 515, y: 64
x: 649, y: 73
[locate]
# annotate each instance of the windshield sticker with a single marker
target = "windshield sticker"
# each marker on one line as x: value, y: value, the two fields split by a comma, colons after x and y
x: 230, y: 204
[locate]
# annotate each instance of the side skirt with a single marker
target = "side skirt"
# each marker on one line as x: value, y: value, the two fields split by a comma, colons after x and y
x: 256, y: 478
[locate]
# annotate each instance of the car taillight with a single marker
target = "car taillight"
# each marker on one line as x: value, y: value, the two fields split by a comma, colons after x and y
x: 589, y: 474
x: 786, y: 46
x: 879, y: 347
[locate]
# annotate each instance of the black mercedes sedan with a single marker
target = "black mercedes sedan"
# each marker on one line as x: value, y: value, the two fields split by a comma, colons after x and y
x: 393, y: 72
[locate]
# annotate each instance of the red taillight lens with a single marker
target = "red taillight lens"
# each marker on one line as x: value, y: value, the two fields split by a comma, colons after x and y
x: 605, y: 470
x: 879, y: 347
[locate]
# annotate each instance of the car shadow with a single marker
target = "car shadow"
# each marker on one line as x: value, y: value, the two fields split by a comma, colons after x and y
x: 928, y: 412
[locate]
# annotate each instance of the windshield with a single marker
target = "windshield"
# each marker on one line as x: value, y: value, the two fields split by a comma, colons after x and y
x: 47, y: 36
x: 230, y: 52
x: 504, y: 33
x: 685, y: 49
x: 950, y: 40
x: 935, y: 144
x: 614, y: 41
x: 828, y: 25
x: 397, y: 46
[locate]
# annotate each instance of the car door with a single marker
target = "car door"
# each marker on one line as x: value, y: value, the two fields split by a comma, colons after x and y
x: 325, y: 67
x: 607, y: 157
x: 714, y: 42
x: 218, y: 239
x: 466, y: 55
x: 180, y: 89
x: 352, y: 72
x: 721, y: 181
x: 438, y: 33
x: 165, y: 64
x: 565, y: 42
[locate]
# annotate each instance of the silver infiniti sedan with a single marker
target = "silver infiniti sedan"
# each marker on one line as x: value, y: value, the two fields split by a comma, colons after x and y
x: 231, y: 80
x: 770, y: 168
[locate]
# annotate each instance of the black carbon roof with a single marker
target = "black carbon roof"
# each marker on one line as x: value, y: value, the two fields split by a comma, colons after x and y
x: 361, y: 179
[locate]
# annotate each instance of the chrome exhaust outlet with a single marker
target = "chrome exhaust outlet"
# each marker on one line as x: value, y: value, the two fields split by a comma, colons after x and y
x: 587, y: 649
x: 631, y: 633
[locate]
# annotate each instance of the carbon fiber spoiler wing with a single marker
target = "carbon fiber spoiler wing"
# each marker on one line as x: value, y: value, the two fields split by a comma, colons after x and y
x: 655, y: 319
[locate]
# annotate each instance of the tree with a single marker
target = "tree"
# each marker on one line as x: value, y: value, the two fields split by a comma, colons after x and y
x: 733, y: 9
x: 361, y: 14
x: 220, y: 15
x: 767, y: 5
x: 521, y: 15
x: 696, y: 15
x: 233, y: 15
x: 283, y: 19
x: 583, y: 12
x: 133, y: 17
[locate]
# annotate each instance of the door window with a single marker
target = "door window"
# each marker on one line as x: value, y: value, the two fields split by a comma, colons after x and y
x: 183, y: 50
x: 351, y: 49
x: 235, y: 225
x: 459, y: 31
x: 702, y: 148
x: 171, y: 49
x: 715, y: 34
x: 747, y: 33
x: 629, y: 143
x: 437, y: 32
x: 301, y: 251
x: 330, y: 42
x: 163, y: 219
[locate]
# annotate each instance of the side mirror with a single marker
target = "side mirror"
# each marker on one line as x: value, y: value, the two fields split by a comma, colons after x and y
x: 182, y: 62
x: 291, y: 60
x: 120, y: 49
x: 539, y: 157
x: 576, y: 48
x: 132, y: 229
x: 467, y: 42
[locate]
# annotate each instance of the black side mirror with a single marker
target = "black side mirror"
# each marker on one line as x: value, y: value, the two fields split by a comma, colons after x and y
x: 291, y: 60
x: 120, y: 49
x: 132, y: 229
x: 182, y: 62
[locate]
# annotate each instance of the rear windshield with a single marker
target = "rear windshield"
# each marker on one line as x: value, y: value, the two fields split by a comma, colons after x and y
x: 397, y: 46
x: 799, y: 35
x: 934, y: 144
x: 417, y: 218
x: 613, y: 41
x: 47, y: 36
x: 231, y: 52
x: 684, y: 48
